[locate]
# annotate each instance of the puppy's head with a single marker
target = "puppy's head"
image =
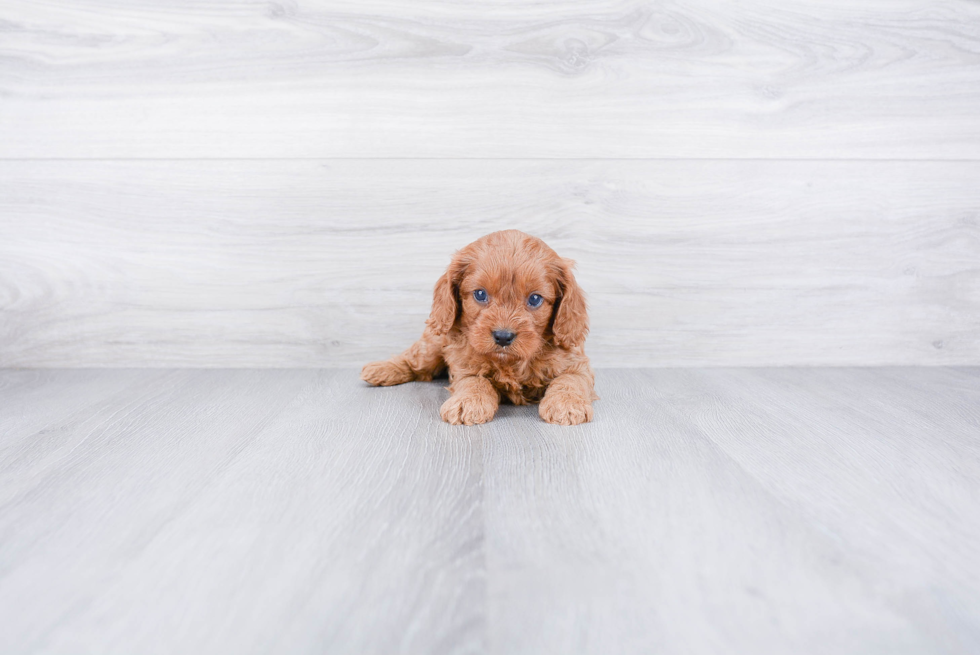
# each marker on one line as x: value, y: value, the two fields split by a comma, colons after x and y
x: 509, y: 294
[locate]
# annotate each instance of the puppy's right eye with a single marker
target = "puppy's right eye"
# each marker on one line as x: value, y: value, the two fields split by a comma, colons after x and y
x: 480, y: 295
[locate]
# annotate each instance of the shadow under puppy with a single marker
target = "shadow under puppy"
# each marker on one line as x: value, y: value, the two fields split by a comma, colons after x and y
x: 509, y: 321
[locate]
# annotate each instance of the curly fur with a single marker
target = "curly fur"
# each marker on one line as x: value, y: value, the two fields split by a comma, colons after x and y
x: 544, y: 364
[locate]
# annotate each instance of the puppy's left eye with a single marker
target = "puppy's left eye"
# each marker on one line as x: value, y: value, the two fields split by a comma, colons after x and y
x: 534, y: 300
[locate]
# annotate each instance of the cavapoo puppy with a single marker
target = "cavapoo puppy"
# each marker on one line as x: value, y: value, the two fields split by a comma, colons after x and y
x: 509, y: 322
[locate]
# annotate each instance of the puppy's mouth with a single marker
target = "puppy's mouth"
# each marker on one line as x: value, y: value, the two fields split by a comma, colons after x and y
x: 503, y: 352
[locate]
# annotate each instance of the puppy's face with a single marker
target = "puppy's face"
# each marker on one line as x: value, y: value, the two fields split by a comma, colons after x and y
x: 509, y: 295
x: 507, y: 304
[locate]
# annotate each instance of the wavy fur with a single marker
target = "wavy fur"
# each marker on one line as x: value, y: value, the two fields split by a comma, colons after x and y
x: 545, y: 363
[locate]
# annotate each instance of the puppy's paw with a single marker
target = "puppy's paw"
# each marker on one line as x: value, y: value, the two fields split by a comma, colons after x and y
x: 386, y: 374
x: 565, y: 409
x: 468, y: 409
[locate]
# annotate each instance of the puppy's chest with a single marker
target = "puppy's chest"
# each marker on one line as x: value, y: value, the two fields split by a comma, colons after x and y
x: 519, y: 391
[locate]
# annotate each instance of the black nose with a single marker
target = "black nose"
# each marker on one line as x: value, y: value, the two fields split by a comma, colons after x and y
x: 503, y: 337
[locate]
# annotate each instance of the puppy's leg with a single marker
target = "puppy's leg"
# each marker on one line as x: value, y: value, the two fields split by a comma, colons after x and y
x: 474, y: 400
x: 422, y: 361
x: 568, y: 399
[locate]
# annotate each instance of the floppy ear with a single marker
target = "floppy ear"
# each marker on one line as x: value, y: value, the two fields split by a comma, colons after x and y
x: 446, y: 306
x: 570, y: 319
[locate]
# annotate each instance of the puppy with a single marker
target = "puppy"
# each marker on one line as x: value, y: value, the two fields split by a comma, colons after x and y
x: 509, y: 322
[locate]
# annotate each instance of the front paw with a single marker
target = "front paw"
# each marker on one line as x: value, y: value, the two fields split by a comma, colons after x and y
x: 385, y: 374
x: 565, y: 409
x: 469, y: 409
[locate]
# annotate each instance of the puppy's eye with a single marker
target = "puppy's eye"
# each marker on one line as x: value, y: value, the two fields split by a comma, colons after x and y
x: 534, y: 300
x: 480, y: 295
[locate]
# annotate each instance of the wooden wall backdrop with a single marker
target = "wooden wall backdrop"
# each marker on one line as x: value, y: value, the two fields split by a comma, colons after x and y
x: 237, y: 183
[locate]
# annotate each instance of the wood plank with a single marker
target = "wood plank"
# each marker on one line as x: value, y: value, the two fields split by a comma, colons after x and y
x: 722, y: 510
x: 562, y: 78
x: 35, y: 400
x: 242, y: 511
x: 739, y: 511
x: 331, y: 263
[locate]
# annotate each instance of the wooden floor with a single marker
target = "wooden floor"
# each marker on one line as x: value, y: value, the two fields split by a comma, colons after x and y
x: 296, y: 511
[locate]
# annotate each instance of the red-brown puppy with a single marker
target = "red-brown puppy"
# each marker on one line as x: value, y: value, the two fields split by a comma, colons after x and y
x: 509, y: 321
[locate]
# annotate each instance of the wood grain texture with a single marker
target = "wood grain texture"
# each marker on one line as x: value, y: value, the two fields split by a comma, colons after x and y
x: 703, y: 511
x: 561, y: 78
x: 235, y: 511
x: 735, y: 511
x: 330, y: 263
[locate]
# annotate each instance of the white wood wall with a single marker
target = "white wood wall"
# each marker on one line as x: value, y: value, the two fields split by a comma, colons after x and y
x: 280, y: 183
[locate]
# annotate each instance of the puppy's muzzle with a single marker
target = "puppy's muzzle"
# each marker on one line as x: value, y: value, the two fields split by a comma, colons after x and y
x: 503, y: 337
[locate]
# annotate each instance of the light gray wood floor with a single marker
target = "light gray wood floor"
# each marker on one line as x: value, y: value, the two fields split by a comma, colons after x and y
x: 725, y: 510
